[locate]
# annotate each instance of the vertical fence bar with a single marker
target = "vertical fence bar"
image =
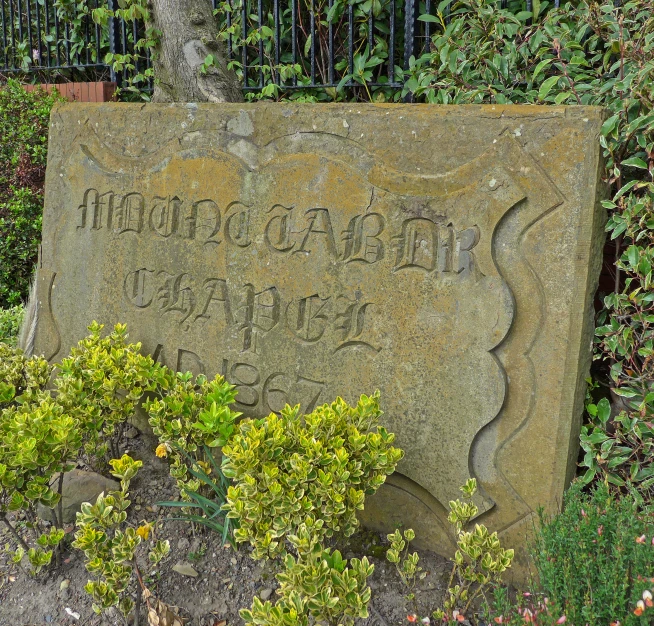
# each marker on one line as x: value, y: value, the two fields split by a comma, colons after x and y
x: 427, y: 27
x: 124, y: 41
x: 278, y: 42
x: 38, y: 32
x: 56, y: 38
x: 391, y: 43
x: 230, y: 43
x: 11, y: 32
x: 409, y: 31
x: 350, y: 41
x: 46, y: 15
x: 260, y: 18
x: 98, y: 40
x: 28, y: 19
x: 87, y: 38
x: 244, y: 51
x: 371, y: 28
x: 135, y: 38
x: 114, y: 40
x: 530, y: 7
x: 294, y: 38
x: 19, y: 6
x: 312, y: 23
x: 4, y: 36
x: 67, y: 34
x: 330, y: 45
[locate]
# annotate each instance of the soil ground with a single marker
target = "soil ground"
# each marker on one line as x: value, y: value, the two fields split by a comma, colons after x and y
x: 226, y: 580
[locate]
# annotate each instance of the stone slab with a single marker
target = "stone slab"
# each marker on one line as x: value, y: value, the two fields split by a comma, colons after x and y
x: 447, y: 256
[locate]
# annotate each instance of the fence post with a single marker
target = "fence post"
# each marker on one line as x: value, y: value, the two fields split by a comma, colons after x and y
x: 409, y: 31
x: 115, y: 44
x: 410, y: 19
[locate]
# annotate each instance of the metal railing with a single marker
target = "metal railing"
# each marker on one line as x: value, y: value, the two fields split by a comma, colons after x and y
x: 294, y: 44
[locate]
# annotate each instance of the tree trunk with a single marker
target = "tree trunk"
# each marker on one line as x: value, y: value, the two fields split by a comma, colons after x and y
x: 188, y: 35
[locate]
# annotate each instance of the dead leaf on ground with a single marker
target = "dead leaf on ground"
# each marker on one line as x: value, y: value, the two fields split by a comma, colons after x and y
x: 160, y: 614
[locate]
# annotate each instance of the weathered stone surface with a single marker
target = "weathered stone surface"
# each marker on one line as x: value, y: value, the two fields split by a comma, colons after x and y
x: 79, y: 486
x: 445, y: 255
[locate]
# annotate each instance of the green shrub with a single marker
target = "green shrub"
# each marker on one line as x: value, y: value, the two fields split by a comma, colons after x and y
x: 479, y: 560
x: 110, y: 545
x: 589, y: 559
x: 101, y: 382
x: 594, y: 562
x: 24, y: 118
x: 21, y: 378
x: 190, y: 417
x: 318, y: 586
x: 316, y: 470
x: 37, y: 441
x: 10, y: 321
x: 405, y: 563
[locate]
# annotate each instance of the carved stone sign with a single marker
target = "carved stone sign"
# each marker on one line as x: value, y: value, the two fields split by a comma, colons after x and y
x: 444, y: 255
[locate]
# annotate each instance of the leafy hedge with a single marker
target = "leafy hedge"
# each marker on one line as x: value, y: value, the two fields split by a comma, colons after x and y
x: 10, y: 320
x: 23, y: 149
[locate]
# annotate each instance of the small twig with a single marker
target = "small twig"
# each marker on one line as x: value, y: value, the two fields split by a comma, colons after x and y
x: 14, y: 532
x: 137, y: 607
x: 557, y: 47
x: 60, y: 491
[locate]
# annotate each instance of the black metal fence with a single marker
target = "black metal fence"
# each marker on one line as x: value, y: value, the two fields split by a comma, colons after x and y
x: 291, y: 44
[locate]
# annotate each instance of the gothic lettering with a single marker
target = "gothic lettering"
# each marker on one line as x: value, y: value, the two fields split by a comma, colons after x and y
x: 467, y: 240
x: 245, y: 378
x: 204, y: 219
x: 237, y: 226
x: 261, y: 314
x: 361, y: 238
x: 278, y: 230
x: 164, y: 215
x: 307, y: 317
x: 417, y: 245
x: 129, y: 214
x: 319, y: 230
x: 216, y: 289
x: 137, y: 288
x: 351, y: 322
x: 101, y: 205
x: 176, y: 296
x: 188, y: 361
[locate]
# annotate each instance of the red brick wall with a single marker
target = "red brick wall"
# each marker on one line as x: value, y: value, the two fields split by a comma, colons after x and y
x: 81, y: 92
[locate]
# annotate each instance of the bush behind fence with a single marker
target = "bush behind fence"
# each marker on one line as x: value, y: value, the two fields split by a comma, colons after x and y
x: 277, y: 47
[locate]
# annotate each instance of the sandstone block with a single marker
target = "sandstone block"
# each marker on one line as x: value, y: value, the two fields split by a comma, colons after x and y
x: 447, y: 256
